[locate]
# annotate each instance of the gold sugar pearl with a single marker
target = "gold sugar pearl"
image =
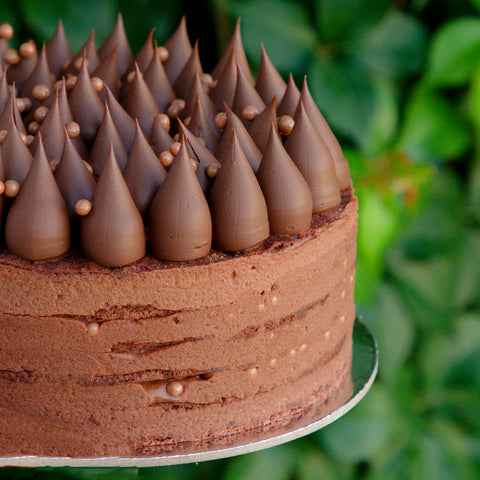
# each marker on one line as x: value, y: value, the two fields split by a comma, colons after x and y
x: 40, y: 114
x: 66, y: 65
x: 6, y: 30
x: 194, y: 164
x: 29, y: 140
x: 20, y: 104
x: 221, y: 120
x: 176, y: 137
x: 70, y: 82
x: 11, y: 57
x: 175, y: 388
x: 166, y: 159
x: 2, y: 187
x: 163, y: 54
x: 212, y: 170
x: 250, y: 112
x: 88, y: 167
x: 73, y: 129
x: 83, y: 207
x: 12, y: 187
x: 3, y: 135
x: 77, y: 63
x: 27, y: 103
x: 130, y: 77
x: 33, y: 127
x: 58, y: 85
x: 97, y: 84
x: 187, y: 121
x: 164, y: 121
x: 54, y: 164
x: 27, y: 49
x: 175, y: 108
x: 175, y: 148
x: 286, y: 124
x: 40, y: 92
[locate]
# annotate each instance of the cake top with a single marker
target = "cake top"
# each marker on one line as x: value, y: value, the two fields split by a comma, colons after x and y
x: 118, y: 156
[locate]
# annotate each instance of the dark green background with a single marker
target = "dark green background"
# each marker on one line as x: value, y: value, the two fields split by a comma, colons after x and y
x: 399, y: 82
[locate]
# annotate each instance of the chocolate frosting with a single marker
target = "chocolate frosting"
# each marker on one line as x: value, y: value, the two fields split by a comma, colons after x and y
x: 89, y: 51
x: 160, y: 139
x: 107, y: 135
x: 207, y: 104
x: 38, y: 227
x: 9, y: 110
x: 19, y: 73
x: 112, y: 234
x: 249, y: 148
x: 40, y: 75
x: 236, y: 45
x: 107, y: 71
x: 4, y: 91
x: 144, y: 173
x: 259, y: 129
x: 144, y: 56
x: 184, y: 81
x: 245, y: 94
x: 200, y: 126
x: 58, y: 50
x: 73, y: 179
x: 180, y: 223
x: 288, y: 198
x: 224, y: 90
x: 17, y: 158
x: 312, y: 157
x: 201, y: 154
x: 139, y: 103
x: 239, y: 211
x: 86, y: 106
x: 180, y: 49
x: 341, y: 165
x: 269, y: 82
x: 123, y: 121
x: 289, y: 103
x: 117, y: 38
x: 158, y: 83
x: 2, y: 197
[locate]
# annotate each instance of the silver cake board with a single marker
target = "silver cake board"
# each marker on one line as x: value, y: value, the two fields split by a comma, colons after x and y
x: 364, y: 371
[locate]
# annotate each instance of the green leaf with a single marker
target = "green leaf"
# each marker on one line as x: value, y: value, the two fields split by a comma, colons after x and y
x: 473, y: 103
x: 341, y: 19
x: 474, y: 188
x: 395, y: 47
x: 455, y: 53
x: 78, y: 18
x: 433, y: 130
x: 313, y: 465
x: 283, y: 27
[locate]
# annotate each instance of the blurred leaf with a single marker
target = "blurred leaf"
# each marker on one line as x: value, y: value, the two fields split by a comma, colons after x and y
x: 392, y: 326
x: 274, y: 463
x: 78, y: 18
x: 313, y: 464
x: 283, y: 27
x: 339, y: 20
x: 100, y: 473
x: 365, y: 432
x: 474, y: 190
x: 476, y: 3
x: 473, y: 102
x: 433, y: 130
x: 455, y: 52
x: 394, y: 47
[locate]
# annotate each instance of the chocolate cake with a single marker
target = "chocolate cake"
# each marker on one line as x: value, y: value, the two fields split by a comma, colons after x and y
x: 178, y: 259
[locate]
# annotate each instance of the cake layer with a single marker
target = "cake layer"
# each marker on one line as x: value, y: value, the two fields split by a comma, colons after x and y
x: 175, y: 356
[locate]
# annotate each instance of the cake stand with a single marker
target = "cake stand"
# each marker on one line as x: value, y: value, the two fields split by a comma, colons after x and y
x: 364, y: 370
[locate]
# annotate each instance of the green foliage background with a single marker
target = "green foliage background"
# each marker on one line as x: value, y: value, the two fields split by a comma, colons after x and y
x: 399, y: 82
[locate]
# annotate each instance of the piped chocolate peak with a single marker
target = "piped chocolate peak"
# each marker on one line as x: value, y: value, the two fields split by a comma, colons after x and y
x: 206, y: 164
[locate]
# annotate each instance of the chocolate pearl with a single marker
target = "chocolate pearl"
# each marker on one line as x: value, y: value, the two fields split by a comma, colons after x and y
x: 207, y: 81
x: 3, y: 134
x: 250, y: 112
x: 286, y: 124
x: 164, y: 121
x: 83, y: 207
x: 40, y: 114
x: 163, y: 54
x: 57, y: 85
x: 33, y: 127
x: 2, y: 187
x: 12, y: 187
x: 70, y: 82
x: 175, y: 388
x: 11, y: 57
x: 221, y: 120
x: 73, y: 129
x: 6, y: 30
x: 175, y: 108
x: 40, y: 92
x: 97, y: 84
x: 77, y: 63
x: 54, y: 164
x: 20, y: 105
x: 28, y: 103
x: 176, y: 137
x: 212, y: 170
x: 27, y: 49
x: 166, y: 158
x: 174, y: 148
